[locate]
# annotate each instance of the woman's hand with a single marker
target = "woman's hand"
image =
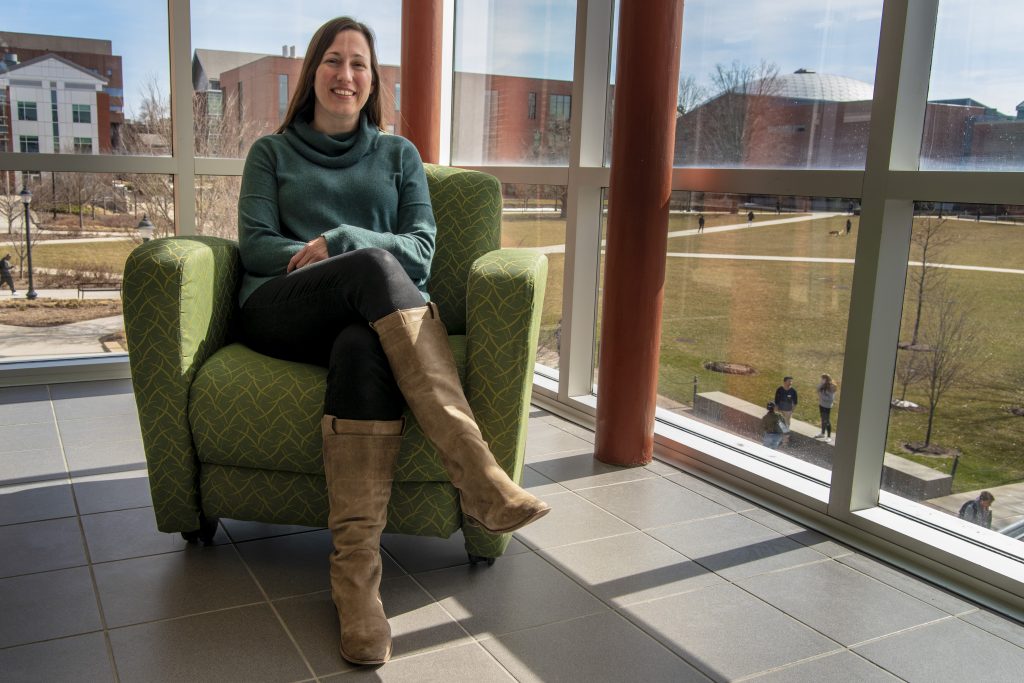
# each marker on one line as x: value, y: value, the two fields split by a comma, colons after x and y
x: 315, y: 250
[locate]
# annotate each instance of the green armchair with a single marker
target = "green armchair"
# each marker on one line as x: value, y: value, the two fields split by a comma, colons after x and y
x: 232, y: 433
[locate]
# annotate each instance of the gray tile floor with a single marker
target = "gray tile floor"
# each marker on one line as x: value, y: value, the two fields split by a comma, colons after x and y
x: 637, y: 574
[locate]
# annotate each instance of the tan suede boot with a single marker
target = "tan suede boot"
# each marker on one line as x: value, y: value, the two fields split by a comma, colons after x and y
x: 416, y: 344
x: 359, y: 461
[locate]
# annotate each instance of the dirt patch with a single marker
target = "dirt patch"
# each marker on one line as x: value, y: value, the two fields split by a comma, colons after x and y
x: 933, y: 450
x: 51, y: 312
x: 1017, y: 410
x: 729, y: 368
x: 907, y: 346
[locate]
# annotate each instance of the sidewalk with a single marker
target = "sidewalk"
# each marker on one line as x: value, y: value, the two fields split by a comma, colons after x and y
x: 24, y: 343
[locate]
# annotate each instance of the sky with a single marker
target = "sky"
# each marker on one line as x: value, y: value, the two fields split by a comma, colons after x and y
x: 978, y: 48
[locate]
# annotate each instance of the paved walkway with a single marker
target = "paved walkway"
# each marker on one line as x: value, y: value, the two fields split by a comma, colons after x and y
x: 30, y: 343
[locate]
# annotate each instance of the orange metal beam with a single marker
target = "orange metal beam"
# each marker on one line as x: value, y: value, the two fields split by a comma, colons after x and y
x: 646, y: 87
x: 421, y: 76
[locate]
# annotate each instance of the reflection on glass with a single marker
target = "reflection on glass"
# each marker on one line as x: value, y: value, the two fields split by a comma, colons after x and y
x: 513, y: 82
x: 74, y: 82
x: 81, y: 228
x: 974, y: 118
x: 955, y: 427
x: 246, y: 62
x: 776, y: 85
x: 757, y: 289
x: 217, y: 205
x: 533, y: 217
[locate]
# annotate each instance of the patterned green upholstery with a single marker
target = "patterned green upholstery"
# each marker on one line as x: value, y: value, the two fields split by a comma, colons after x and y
x: 231, y: 433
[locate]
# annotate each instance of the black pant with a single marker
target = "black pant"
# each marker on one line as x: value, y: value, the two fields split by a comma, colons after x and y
x: 826, y: 420
x: 5, y: 278
x: 319, y: 314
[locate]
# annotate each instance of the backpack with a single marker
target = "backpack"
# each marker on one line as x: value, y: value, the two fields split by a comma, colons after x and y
x: 968, y: 505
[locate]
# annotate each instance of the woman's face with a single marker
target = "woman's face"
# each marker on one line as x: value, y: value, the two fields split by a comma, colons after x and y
x: 343, y: 84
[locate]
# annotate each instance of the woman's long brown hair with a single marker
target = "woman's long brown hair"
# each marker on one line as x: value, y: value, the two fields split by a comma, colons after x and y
x: 304, y: 98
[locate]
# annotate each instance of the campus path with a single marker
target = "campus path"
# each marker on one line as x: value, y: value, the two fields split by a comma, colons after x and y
x: 849, y: 261
x: 560, y: 248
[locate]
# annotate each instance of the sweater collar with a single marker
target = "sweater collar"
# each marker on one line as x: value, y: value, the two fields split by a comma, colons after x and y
x: 332, y: 151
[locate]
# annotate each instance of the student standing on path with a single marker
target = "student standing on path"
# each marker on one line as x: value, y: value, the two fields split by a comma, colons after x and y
x: 5, y: 273
x: 826, y: 398
x: 750, y: 218
x: 786, y: 399
x: 771, y: 423
x: 700, y: 224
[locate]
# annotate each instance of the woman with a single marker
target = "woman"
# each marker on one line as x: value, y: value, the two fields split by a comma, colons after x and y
x: 826, y: 398
x: 337, y: 234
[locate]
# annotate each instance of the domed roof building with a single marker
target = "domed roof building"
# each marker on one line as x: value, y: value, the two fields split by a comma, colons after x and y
x: 804, y: 84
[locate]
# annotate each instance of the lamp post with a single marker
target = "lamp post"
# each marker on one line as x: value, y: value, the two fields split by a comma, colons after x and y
x: 145, y: 228
x: 26, y: 199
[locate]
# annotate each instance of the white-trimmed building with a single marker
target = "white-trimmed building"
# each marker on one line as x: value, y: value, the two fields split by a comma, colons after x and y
x: 53, y: 106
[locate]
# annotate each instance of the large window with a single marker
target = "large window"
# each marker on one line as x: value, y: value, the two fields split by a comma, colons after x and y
x: 975, y: 117
x: 501, y: 59
x: 244, y: 66
x: 28, y: 144
x: 96, y: 65
x: 955, y: 425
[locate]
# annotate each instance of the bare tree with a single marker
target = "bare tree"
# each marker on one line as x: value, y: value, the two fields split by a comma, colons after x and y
x: 909, y: 370
x: 691, y: 94
x: 220, y: 134
x: 10, y: 202
x: 80, y: 190
x: 722, y: 128
x: 928, y: 239
x: 953, y: 353
x: 552, y: 147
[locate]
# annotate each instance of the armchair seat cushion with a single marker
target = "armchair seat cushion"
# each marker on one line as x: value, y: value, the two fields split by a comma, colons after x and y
x: 253, y: 411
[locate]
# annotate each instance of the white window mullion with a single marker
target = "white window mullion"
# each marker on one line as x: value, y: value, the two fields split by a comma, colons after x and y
x: 182, y: 124
x: 879, y: 278
x: 583, y: 215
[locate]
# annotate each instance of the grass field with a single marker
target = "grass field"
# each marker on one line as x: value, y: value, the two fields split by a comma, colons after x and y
x: 790, y: 318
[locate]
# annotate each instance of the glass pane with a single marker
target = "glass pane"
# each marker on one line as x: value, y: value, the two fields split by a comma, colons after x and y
x: 513, y: 82
x: 776, y: 85
x: 533, y: 217
x: 975, y: 118
x: 246, y: 58
x: 70, y: 254
x: 957, y: 418
x: 217, y: 205
x: 757, y: 288
x: 75, y: 77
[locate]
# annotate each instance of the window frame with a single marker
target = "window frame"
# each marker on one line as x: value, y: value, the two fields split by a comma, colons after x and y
x: 81, y: 113
x: 28, y: 110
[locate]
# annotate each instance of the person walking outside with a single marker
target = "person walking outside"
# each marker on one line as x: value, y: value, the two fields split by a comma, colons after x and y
x: 700, y: 224
x: 786, y: 399
x: 826, y: 398
x: 773, y: 426
x: 5, y: 273
x: 979, y: 510
x: 849, y: 225
x: 750, y: 217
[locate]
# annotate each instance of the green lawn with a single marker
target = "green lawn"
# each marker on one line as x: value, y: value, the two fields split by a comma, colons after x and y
x: 87, y: 256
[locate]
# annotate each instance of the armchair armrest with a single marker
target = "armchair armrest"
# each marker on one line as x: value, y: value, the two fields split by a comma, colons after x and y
x: 505, y: 297
x: 179, y: 297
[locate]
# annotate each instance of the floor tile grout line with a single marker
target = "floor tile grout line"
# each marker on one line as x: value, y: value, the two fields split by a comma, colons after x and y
x: 805, y: 660
x: 85, y: 544
x: 906, y: 629
x: 273, y: 609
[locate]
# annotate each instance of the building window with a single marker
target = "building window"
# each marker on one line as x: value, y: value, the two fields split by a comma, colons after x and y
x: 282, y: 95
x: 241, y: 116
x: 27, y: 111
x: 531, y: 106
x: 83, y: 145
x: 29, y: 144
x: 81, y: 113
x: 559, y: 107
x: 398, y: 96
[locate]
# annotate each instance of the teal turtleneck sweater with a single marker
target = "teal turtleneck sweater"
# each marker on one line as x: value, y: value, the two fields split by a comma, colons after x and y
x: 359, y: 190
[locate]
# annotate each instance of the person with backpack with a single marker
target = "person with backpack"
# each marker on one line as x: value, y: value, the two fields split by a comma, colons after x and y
x: 978, y: 510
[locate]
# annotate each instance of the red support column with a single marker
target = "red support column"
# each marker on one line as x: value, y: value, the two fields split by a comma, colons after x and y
x: 646, y: 86
x: 421, y: 76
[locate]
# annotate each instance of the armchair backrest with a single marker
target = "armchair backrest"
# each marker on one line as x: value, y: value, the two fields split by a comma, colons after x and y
x: 467, y: 210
